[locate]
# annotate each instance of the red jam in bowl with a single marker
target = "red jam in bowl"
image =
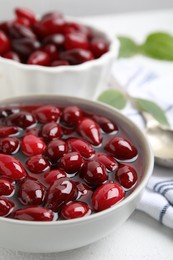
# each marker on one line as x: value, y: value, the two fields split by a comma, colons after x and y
x: 59, y: 163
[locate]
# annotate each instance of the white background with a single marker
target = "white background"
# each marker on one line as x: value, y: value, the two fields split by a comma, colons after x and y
x: 85, y: 7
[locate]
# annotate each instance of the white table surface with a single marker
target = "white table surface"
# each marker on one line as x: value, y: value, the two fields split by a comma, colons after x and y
x: 140, y: 237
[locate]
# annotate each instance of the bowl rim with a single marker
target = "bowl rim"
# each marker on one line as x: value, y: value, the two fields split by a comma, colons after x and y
x: 117, y: 206
x: 112, y: 52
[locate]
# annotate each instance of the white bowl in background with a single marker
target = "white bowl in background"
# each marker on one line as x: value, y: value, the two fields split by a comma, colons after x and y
x: 64, y: 235
x: 81, y: 80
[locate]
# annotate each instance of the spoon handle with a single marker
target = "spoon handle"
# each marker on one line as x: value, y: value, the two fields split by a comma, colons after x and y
x: 150, y: 121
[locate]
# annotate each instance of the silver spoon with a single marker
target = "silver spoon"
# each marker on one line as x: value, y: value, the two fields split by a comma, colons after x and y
x: 161, y: 140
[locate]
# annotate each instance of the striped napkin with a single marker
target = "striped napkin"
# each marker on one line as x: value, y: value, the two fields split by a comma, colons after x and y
x: 146, y: 78
x: 157, y: 200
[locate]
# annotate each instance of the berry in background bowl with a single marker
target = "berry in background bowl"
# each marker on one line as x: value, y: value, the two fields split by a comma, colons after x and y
x: 54, y: 54
x: 67, y: 165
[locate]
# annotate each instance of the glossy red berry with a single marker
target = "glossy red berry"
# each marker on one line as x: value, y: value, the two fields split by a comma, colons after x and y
x: 51, y: 131
x: 4, y: 26
x: 23, y: 21
x: 71, y: 27
x: 37, y: 164
x: 106, y: 196
x: 90, y: 131
x: 6, y: 187
x: 71, y: 162
x: 60, y: 193
x: 11, y: 55
x: 54, y: 175
x: 31, y: 192
x: 20, y: 119
x: 50, y: 24
x: 81, y: 146
x: 6, y: 131
x: 6, y: 207
x: 18, y: 31
x: 108, y: 161
x: 76, y: 40
x: 126, y: 176
x: 105, y: 124
x: 94, y: 173
x: 25, y: 46
x: 76, y: 56
x: 47, y: 113
x: 121, y: 148
x: 72, y: 115
x: 99, y: 46
x: 75, y: 209
x: 11, y: 167
x: 51, y: 50
x: 9, y: 145
x: 34, y: 213
x: 55, y: 150
x: 56, y: 39
x: 39, y: 58
x: 26, y: 14
x: 32, y: 145
x: 4, y: 43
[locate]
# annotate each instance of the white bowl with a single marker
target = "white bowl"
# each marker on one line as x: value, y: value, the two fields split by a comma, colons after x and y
x: 69, y: 234
x: 77, y: 80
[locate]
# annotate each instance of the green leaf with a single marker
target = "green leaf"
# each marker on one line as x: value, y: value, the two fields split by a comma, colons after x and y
x: 159, y: 45
x: 114, y: 98
x: 128, y: 47
x: 152, y: 108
